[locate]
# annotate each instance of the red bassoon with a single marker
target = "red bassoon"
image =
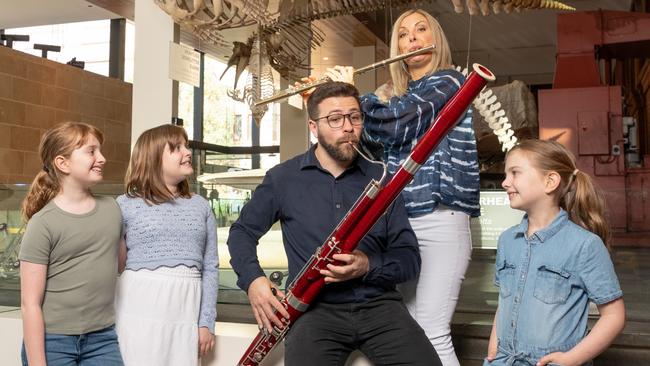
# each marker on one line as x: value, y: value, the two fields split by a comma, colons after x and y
x: 362, y: 216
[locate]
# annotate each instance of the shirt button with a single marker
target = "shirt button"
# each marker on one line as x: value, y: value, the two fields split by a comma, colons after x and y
x: 516, y: 300
x: 512, y: 324
x: 338, y: 205
x: 523, y: 276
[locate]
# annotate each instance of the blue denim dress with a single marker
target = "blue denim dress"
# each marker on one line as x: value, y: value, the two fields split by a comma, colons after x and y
x: 545, y: 284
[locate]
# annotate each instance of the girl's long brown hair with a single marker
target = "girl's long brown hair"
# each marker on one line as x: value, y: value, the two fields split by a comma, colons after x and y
x: 58, y: 141
x: 144, y: 177
x: 577, y: 194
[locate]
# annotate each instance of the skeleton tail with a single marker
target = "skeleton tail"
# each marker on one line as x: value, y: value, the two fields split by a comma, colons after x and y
x: 490, y: 109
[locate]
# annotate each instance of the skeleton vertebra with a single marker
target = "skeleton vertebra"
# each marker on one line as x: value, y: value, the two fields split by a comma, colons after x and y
x: 483, y: 6
x: 490, y: 109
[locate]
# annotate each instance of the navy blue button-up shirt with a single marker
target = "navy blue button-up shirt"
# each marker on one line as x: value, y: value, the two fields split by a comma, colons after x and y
x: 309, y: 202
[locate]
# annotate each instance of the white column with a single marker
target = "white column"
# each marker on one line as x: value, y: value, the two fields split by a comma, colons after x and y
x: 153, y: 97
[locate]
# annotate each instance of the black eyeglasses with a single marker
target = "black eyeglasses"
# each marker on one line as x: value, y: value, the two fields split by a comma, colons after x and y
x: 337, y: 120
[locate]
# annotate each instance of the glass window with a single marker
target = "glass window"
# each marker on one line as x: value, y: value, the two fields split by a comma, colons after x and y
x: 87, y: 41
x: 228, y: 122
x: 129, y: 49
x: 186, y: 107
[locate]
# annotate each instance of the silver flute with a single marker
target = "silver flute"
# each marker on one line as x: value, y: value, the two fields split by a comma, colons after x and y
x: 293, y: 90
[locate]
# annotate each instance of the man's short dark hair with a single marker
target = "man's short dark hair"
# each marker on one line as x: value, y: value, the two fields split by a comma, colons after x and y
x: 329, y: 90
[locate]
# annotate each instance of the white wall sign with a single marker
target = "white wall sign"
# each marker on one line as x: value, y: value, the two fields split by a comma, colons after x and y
x: 496, y: 217
x: 184, y: 64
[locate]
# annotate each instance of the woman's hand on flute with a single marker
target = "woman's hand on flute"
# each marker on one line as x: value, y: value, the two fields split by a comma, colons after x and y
x: 305, y: 94
x: 336, y: 73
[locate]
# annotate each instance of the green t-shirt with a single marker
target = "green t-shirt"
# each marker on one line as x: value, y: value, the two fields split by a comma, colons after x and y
x: 81, y: 254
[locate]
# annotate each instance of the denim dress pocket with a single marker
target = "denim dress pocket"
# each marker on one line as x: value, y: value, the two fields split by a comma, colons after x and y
x: 552, y: 285
x: 506, y: 273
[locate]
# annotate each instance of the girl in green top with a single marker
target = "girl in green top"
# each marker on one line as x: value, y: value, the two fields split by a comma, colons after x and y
x: 68, y: 255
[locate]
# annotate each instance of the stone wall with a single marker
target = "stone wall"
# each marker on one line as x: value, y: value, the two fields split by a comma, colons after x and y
x: 36, y: 94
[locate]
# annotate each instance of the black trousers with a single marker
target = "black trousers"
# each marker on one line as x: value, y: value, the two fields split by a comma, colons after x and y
x: 381, y: 328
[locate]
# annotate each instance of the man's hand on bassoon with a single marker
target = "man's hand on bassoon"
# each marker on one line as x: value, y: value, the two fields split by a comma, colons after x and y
x: 354, y: 265
x: 264, y: 302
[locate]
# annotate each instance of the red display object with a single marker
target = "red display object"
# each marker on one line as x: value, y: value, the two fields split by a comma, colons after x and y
x: 584, y: 113
x: 362, y: 216
x: 578, y: 35
x: 588, y: 122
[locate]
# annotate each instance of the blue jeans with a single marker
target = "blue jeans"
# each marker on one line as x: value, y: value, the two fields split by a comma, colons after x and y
x: 98, y: 348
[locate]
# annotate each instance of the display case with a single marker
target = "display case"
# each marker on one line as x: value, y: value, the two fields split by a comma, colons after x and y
x: 225, y: 200
x: 227, y: 193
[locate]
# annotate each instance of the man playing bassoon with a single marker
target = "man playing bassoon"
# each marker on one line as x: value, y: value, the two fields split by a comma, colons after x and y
x: 359, y: 308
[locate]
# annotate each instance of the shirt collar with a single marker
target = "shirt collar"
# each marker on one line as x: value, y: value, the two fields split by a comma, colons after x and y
x: 546, y: 233
x: 309, y: 160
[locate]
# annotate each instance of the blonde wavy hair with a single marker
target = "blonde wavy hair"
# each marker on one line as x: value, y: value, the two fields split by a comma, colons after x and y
x: 61, y: 140
x: 441, y: 54
x: 144, y: 177
x: 577, y: 194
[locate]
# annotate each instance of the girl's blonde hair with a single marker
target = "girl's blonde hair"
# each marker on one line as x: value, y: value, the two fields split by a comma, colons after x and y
x: 144, y: 177
x: 61, y: 140
x: 577, y: 194
x: 441, y: 54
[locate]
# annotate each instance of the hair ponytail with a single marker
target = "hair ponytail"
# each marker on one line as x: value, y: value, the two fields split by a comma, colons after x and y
x: 585, y: 205
x: 42, y: 191
x: 577, y: 194
x: 58, y: 141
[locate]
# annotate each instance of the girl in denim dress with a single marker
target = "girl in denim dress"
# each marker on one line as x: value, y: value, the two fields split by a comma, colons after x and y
x: 552, y: 264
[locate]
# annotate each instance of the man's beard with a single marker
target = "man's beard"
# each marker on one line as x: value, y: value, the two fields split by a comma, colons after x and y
x: 338, y: 151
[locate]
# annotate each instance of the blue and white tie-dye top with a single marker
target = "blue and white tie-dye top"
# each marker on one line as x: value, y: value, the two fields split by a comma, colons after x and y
x: 451, y: 174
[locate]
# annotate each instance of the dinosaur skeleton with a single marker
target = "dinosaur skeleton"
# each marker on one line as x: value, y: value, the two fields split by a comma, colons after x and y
x: 285, y: 37
x: 483, y: 6
x: 205, y: 18
x: 259, y: 83
x: 288, y: 34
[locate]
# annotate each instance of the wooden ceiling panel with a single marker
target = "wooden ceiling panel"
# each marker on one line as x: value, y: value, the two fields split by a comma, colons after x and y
x: 125, y: 8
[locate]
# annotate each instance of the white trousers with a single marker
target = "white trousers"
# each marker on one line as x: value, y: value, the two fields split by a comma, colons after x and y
x: 156, y: 316
x: 445, y: 248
